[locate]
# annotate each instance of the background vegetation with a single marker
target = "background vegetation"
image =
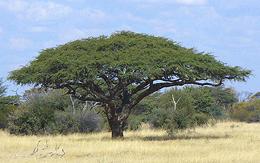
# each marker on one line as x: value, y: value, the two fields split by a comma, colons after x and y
x: 54, y: 112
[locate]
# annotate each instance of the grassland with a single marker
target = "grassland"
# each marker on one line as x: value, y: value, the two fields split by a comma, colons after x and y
x: 225, y: 142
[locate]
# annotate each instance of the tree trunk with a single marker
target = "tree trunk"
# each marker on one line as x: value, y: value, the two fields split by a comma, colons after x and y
x: 116, y: 128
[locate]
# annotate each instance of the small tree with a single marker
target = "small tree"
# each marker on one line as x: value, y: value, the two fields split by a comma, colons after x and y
x: 120, y: 70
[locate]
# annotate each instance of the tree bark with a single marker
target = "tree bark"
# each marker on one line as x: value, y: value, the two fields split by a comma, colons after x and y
x: 117, y: 128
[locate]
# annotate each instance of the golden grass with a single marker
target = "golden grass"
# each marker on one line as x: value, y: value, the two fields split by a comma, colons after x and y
x: 225, y: 142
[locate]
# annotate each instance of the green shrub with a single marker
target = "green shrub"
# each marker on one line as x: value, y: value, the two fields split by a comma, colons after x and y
x: 187, y: 114
x: 89, y: 121
x: 31, y: 121
x: 158, y: 117
x: 7, y: 105
x: 5, y: 112
x: 197, y: 105
x: 134, y: 122
x: 64, y: 123
x: 246, y: 111
x: 51, y: 113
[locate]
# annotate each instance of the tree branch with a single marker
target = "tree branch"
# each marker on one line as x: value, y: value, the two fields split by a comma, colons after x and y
x: 155, y: 87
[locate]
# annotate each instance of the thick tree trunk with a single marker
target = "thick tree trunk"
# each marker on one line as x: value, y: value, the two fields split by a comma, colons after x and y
x: 116, y: 119
x: 117, y: 128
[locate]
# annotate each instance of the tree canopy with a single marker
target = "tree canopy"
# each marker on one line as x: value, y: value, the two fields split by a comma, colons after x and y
x: 118, y: 71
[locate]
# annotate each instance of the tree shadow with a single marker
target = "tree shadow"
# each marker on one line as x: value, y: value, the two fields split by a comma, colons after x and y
x: 169, y: 138
x: 184, y: 137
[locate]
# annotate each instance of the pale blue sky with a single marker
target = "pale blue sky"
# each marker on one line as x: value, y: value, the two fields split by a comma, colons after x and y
x: 230, y: 30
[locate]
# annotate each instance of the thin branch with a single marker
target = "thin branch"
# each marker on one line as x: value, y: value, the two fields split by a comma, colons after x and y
x: 73, y: 104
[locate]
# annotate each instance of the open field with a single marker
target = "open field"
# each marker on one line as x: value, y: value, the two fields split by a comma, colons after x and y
x: 224, y: 142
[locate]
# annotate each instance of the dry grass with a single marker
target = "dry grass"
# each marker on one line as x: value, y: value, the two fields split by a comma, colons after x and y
x: 225, y: 142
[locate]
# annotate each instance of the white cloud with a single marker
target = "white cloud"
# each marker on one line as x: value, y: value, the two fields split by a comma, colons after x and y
x: 19, y: 43
x: 160, y: 2
x: 93, y: 14
x: 36, y: 10
x: 37, y: 29
x: 71, y: 34
x: 49, y: 44
x: 50, y: 10
x: 162, y: 28
x: 125, y: 28
x: 192, y: 2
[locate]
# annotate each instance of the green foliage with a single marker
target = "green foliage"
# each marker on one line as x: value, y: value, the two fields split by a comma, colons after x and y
x: 3, y: 108
x: 246, y: 111
x: 224, y: 96
x: 7, y: 105
x: 64, y: 123
x: 51, y: 113
x: 196, y: 106
x: 214, y: 101
x: 31, y: 121
x: 54, y: 99
x: 134, y: 122
x: 188, y: 114
x: 135, y: 56
x: 34, y: 116
x: 142, y: 112
x: 89, y: 121
x: 2, y: 88
x: 4, y: 114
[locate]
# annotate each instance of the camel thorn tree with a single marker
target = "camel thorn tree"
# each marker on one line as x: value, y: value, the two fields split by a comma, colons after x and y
x: 118, y: 71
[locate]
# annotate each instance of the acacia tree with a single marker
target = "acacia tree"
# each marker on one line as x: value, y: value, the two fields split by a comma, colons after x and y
x: 120, y: 70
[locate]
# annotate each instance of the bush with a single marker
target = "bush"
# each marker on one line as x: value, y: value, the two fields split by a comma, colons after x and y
x: 89, y: 121
x: 7, y: 105
x: 31, y: 121
x: 51, y: 113
x: 134, y: 122
x: 64, y: 123
x: 246, y: 111
x: 158, y: 117
x: 4, y: 114
x: 187, y: 114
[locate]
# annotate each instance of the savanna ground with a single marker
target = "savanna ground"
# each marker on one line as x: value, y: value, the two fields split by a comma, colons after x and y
x: 224, y: 142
